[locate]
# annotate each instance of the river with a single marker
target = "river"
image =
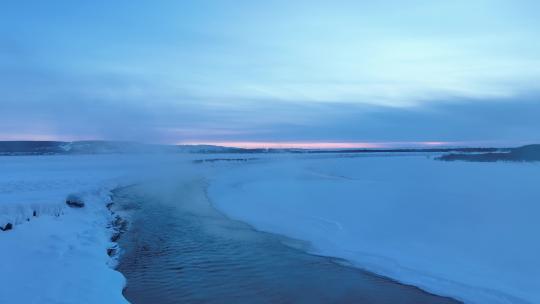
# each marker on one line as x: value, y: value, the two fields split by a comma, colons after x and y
x: 179, y: 249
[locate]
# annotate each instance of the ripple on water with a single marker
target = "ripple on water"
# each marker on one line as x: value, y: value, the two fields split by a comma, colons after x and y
x: 180, y: 250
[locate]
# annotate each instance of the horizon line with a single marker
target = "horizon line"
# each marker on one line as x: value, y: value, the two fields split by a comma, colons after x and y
x: 345, y: 144
x: 303, y: 144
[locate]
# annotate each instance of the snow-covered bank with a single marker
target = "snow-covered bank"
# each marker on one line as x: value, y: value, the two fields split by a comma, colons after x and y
x: 60, y: 259
x: 467, y: 230
x: 57, y: 254
x: 461, y: 229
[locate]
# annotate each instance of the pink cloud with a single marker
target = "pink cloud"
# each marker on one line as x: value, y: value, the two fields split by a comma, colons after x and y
x: 325, y: 145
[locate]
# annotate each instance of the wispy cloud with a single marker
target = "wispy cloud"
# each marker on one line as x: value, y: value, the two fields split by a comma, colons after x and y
x: 344, y: 71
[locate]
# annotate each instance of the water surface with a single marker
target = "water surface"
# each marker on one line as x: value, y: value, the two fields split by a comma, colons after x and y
x: 179, y: 249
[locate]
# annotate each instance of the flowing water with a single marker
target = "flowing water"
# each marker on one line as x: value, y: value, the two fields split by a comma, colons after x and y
x: 179, y: 249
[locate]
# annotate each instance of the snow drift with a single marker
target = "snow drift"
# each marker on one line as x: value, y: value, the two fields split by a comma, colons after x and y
x: 466, y: 230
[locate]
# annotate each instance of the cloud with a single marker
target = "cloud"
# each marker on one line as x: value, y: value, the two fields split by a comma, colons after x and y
x: 271, y: 71
x: 44, y: 103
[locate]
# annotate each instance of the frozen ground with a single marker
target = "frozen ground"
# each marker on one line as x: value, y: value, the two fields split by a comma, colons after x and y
x: 59, y: 255
x: 467, y: 230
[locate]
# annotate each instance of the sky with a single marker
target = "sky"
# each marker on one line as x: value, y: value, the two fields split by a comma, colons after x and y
x: 271, y: 73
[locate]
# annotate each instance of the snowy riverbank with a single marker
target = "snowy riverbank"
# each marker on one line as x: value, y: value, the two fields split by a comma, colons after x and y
x: 57, y: 254
x: 465, y: 230
x: 53, y: 253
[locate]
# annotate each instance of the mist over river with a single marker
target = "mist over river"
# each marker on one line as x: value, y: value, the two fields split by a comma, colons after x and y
x: 179, y: 249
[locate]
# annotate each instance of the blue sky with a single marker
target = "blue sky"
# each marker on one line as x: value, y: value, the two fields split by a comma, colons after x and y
x: 272, y: 71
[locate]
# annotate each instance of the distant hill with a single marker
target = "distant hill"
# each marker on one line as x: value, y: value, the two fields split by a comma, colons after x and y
x: 124, y: 147
x: 406, y: 150
x: 529, y: 153
x: 102, y: 147
x: 31, y: 147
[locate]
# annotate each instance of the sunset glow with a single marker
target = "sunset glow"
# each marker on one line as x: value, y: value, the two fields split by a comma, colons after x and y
x: 325, y: 145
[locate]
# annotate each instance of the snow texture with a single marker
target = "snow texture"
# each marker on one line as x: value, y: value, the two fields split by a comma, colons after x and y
x: 57, y: 254
x: 461, y: 229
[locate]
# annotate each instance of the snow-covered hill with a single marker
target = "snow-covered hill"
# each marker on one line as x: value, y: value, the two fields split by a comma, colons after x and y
x: 103, y: 147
